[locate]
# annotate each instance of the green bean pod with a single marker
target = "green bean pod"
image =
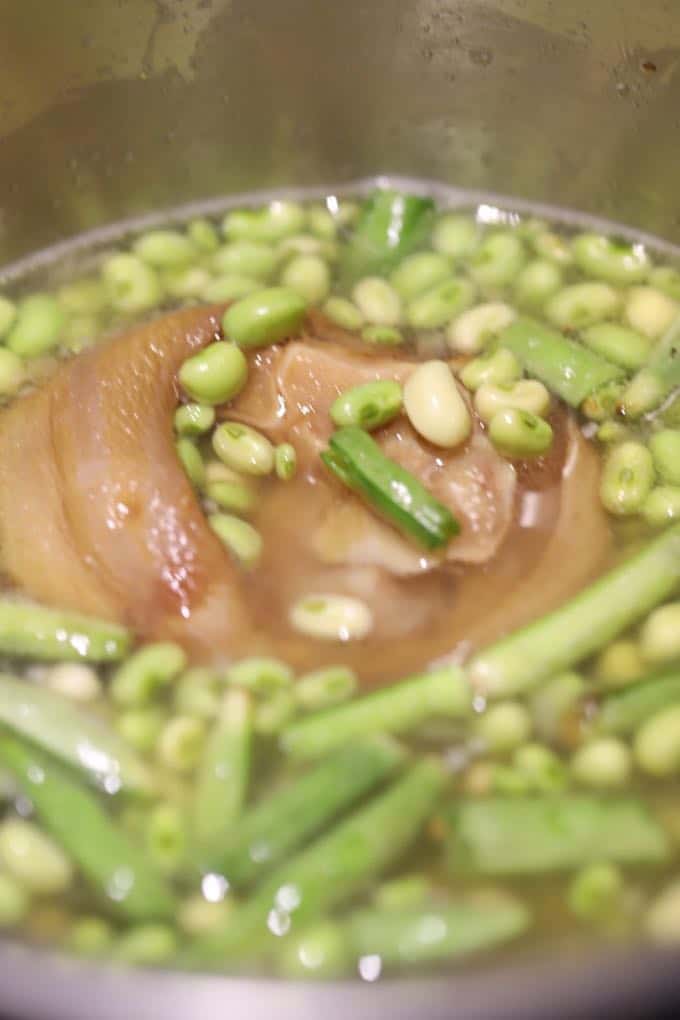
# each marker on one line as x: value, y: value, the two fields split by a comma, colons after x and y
x: 50, y: 634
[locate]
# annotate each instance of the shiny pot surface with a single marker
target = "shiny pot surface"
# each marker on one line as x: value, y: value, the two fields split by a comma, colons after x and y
x: 112, y: 110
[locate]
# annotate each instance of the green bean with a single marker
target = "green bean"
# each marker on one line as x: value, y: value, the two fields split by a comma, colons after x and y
x: 619, y: 345
x: 191, y: 460
x: 37, y: 328
x: 325, y: 687
x: 407, y: 938
x: 250, y: 259
x: 536, y: 283
x: 369, y: 405
x: 390, y: 226
x: 497, y: 261
x: 241, y: 539
x: 331, y: 871
x: 627, y: 478
x: 164, y: 249
x: 619, y: 663
x: 649, y: 311
x: 231, y: 287
x: 595, y: 892
x: 518, y: 433
x: 665, y: 449
x: 264, y: 317
x: 273, y: 715
x: 662, y: 506
x: 440, y: 304
x: 472, y: 331
x: 141, y: 727
x: 12, y: 373
x: 75, y: 819
x: 322, y: 951
x: 14, y: 902
x: 223, y: 776
x: 602, y: 764
x: 272, y: 223
x: 308, y: 276
x: 540, y: 768
x: 396, y: 494
x: 582, y: 304
x: 610, y: 260
x: 434, y: 405
x: 501, y: 368
x: 8, y: 314
x: 166, y: 838
x: 285, y: 461
x: 503, y: 727
x: 33, y: 859
x: 141, y: 677
x: 343, y: 313
x: 455, y: 235
x: 660, y: 634
x: 583, y: 624
x: 657, y: 743
x: 132, y: 286
x: 203, y: 235
x: 377, y: 301
x: 216, y: 374
x: 648, y: 388
x: 47, y: 719
x: 397, y: 709
x: 664, y: 278
x: 527, y: 836
x: 328, y: 617
x: 146, y: 945
x: 551, y: 704
x: 262, y: 676
x: 571, y: 371
x: 383, y: 336
x: 243, y: 449
x: 194, y: 419
x: 90, y: 937
x: 622, y: 712
x: 419, y: 273
x: 51, y: 635
x: 180, y: 743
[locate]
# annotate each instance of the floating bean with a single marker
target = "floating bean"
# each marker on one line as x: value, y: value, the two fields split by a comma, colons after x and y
x: 197, y: 693
x: 190, y: 458
x: 440, y: 304
x: 435, y: 406
x: 229, y: 288
x: 285, y: 461
x: 321, y: 223
x: 249, y: 259
x: 418, y: 273
x: 241, y: 448
x: 383, y: 336
x: 33, y: 859
x: 455, y: 235
x: 216, y: 374
x: 498, y: 369
x: 662, y: 506
x: 331, y: 617
x: 552, y: 247
x: 194, y: 419
x: 272, y: 223
x: 203, y: 235
x: 649, y: 311
x: 582, y: 304
x: 141, y: 677
x: 660, y: 634
x: 377, y: 301
x: 180, y: 743
x: 657, y: 743
x: 540, y: 768
x: 610, y: 260
x: 141, y: 727
x: 325, y: 687
x: 665, y: 449
x: 239, y: 537
x: 472, y: 331
x: 368, y: 405
x: 264, y: 317
x: 164, y: 249
x: 308, y: 276
x: 618, y: 344
x: 602, y: 764
x: 627, y: 478
x: 553, y: 701
x: 187, y: 283
x: 504, y: 726
x: 619, y: 663
x: 536, y: 283
x: 86, y: 297
x: 497, y: 261
x: 343, y: 313
x: 524, y: 395
x: 132, y: 285
x: 37, y: 328
x: 518, y: 433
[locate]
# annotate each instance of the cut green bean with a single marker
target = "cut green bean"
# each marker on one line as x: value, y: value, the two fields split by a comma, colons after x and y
x: 666, y: 279
x: 583, y: 624
x: 568, y: 369
x: 286, y: 819
x: 504, y: 726
x: 382, y: 336
x: 359, y: 462
x: 74, y: 818
x: 390, y: 226
x: 369, y: 405
x: 334, y: 869
x: 223, y: 776
x: 49, y: 634
x: 329, y: 617
x: 397, y: 709
x: 531, y: 836
x: 236, y: 497
x: 12, y: 373
x: 80, y: 740
x: 141, y: 677
x: 90, y: 937
x: 617, y: 344
x: 648, y: 388
x: 146, y: 945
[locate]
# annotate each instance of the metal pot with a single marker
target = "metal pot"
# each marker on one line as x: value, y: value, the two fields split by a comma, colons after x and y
x: 110, y: 110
